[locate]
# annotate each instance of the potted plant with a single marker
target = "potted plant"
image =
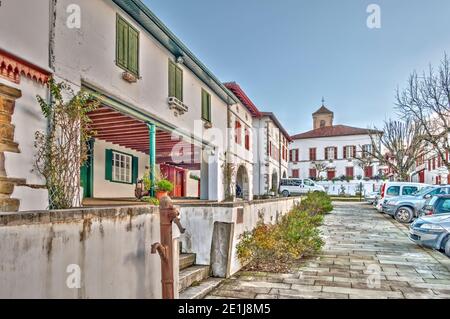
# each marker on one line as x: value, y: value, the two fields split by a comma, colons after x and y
x: 163, y: 187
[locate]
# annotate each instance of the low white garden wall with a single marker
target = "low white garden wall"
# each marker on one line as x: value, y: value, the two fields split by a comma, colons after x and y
x: 350, y: 188
x: 199, y: 222
x: 83, y: 253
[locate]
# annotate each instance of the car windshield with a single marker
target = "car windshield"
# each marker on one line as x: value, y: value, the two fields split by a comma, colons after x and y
x: 423, y: 191
x: 432, y: 201
x: 443, y: 206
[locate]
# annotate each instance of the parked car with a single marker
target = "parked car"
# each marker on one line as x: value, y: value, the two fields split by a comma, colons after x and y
x: 371, y: 197
x: 437, y: 205
x: 394, y: 189
x: 297, y: 186
x: 405, y: 208
x: 432, y: 232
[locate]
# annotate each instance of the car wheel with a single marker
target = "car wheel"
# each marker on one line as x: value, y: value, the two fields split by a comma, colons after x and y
x: 285, y: 193
x: 447, y: 248
x: 404, y: 215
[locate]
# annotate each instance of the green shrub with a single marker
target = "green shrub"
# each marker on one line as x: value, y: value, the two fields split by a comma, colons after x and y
x: 164, y: 185
x: 147, y: 181
x: 151, y: 200
x: 300, y: 234
x: 259, y: 245
x: 316, y: 203
x: 277, y: 247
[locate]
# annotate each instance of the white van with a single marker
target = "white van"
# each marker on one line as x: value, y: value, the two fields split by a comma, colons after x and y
x: 394, y: 189
x: 297, y: 186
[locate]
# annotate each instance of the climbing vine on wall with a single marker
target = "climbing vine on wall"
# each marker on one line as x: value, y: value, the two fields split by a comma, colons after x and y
x: 63, y: 149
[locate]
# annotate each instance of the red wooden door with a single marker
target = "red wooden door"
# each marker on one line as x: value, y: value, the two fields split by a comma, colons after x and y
x: 368, y: 172
x: 176, y: 175
x: 178, y: 185
x: 331, y: 175
x: 422, y: 176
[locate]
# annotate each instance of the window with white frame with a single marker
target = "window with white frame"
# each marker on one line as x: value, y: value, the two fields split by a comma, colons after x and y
x: 330, y: 153
x: 348, y: 151
x: 366, y: 150
x: 121, y: 167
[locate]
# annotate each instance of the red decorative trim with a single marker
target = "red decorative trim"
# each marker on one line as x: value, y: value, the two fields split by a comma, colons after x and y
x: 240, y: 94
x: 12, y: 68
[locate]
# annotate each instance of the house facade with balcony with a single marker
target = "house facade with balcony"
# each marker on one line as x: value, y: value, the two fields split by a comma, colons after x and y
x: 331, y: 151
x: 269, y: 146
x: 162, y: 112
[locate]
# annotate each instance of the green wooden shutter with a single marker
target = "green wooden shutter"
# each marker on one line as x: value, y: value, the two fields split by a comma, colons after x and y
x: 108, y: 165
x: 135, y: 169
x: 208, y: 108
x: 205, y: 112
x: 172, y: 79
x: 122, y: 43
x: 133, y: 51
x: 179, y: 84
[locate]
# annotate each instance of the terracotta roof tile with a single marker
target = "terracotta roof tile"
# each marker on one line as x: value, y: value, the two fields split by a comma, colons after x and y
x: 335, y: 130
x: 322, y: 110
x: 240, y: 94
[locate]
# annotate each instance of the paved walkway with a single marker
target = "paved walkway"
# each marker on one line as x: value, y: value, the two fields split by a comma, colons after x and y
x: 366, y: 255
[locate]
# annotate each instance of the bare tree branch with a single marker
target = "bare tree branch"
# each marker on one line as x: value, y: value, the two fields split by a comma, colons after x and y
x: 397, y: 146
x: 426, y: 102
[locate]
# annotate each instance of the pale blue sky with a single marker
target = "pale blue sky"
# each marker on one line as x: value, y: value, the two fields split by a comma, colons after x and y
x: 287, y: 54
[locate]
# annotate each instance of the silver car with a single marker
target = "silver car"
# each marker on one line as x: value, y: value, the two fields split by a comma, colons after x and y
x: 432, y: 232
x: 405, y: 208
x: 371, y: 197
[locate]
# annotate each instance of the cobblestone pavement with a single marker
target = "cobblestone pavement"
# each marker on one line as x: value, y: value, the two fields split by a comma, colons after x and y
x: 366, y: 255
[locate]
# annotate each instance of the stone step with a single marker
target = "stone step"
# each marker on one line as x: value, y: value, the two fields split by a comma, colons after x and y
x: 186, y: 260
x: 201, y: 290
x: 9, y: 205
x: 192, y: 275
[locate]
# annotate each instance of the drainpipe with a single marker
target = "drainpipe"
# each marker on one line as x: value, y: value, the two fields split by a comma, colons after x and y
x: 51, y: 53
x: 51, y: 35
x: 152, y: 156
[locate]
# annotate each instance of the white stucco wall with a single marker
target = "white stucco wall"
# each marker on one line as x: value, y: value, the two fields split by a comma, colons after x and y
x: 111, y: 246
x: 104, y: 188
x: 265, y: 165
x: 303, y: 145
x: 237, y: 153
x: 350, y: 188
x: 27, y: 119
x: 199, y: 223
x: 24, y: 29
x: 192, y: 184
x: 89, y: 54
x: 25, y: 33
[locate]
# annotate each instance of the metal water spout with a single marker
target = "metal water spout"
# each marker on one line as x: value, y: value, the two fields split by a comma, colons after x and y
x: 168, y: 214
